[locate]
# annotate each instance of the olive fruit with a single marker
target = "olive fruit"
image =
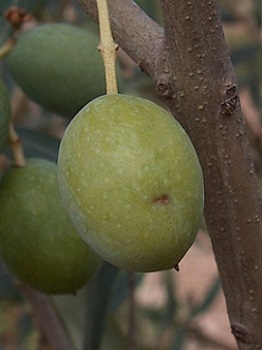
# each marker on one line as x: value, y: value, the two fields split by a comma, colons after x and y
x: 38, y: 243
x: 58, y: 66
x: 131, y: 182
x: 5, y: 114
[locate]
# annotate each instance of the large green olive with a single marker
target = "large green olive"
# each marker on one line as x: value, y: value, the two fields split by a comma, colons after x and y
x: 131, y: 182
x: 58, y: 66
x: 38, y: 243
x: 5, y: 114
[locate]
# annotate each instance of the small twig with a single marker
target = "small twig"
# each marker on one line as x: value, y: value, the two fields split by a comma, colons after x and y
x: 48, y: 319
x: 7, y: 47
x: 132, y: 308
x: 107, y: 47
x: 17, y: 147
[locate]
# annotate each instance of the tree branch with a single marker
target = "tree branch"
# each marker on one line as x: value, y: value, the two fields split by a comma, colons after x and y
x: 193, y: 74
x: 206, y: 95
x: 138, y: 29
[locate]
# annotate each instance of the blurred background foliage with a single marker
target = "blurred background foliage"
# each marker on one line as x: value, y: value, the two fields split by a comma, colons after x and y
x: 167, y: 310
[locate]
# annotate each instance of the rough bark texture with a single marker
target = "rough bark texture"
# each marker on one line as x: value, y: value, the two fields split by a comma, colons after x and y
x: 191, y: 69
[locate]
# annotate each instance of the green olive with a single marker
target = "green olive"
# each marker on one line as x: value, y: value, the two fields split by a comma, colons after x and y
x: 131, y: 181
x: 58, y: 66
x: 38, y: 243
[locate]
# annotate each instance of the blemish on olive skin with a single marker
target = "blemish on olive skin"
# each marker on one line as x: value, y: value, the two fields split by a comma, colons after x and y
x: 162, y: 199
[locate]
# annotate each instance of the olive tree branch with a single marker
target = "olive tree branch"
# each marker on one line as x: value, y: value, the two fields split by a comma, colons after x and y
x: 192, y: 72
x: 206, y: 102
x: 139, y: 29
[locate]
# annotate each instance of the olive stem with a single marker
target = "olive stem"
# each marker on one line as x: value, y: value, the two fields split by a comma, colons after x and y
x: 7, y: 47
x: 107, y: 47
x: 17, y: 147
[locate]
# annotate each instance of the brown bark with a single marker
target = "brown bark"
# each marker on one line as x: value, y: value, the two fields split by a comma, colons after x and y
x: 191, y: 69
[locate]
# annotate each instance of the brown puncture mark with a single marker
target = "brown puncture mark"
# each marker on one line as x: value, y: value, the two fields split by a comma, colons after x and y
x: 229, y: 106
x: 162, y: 199
x: 241, y: 334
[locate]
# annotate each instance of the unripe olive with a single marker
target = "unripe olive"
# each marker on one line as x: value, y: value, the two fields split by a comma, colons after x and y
x: 38, y: 243
x: 131, y: 181
x: 58, y: 66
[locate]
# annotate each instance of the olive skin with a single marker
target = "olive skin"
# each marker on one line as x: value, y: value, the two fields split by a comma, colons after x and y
x: 131, y: 182
x: 58, y: 66
x: 38, y: 242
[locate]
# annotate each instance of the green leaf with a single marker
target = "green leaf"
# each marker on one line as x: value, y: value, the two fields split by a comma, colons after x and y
x: 172, y: 302
x: 71, y: 309
x: 99, y: 293
x: 120, y: 289
x: 208, y: 299
x: 180, y: 338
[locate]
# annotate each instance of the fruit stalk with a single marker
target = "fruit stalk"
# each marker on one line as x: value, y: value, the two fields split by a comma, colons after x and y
x: 7, y: 47
x: 107, y: 47
x: 17, y: 147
